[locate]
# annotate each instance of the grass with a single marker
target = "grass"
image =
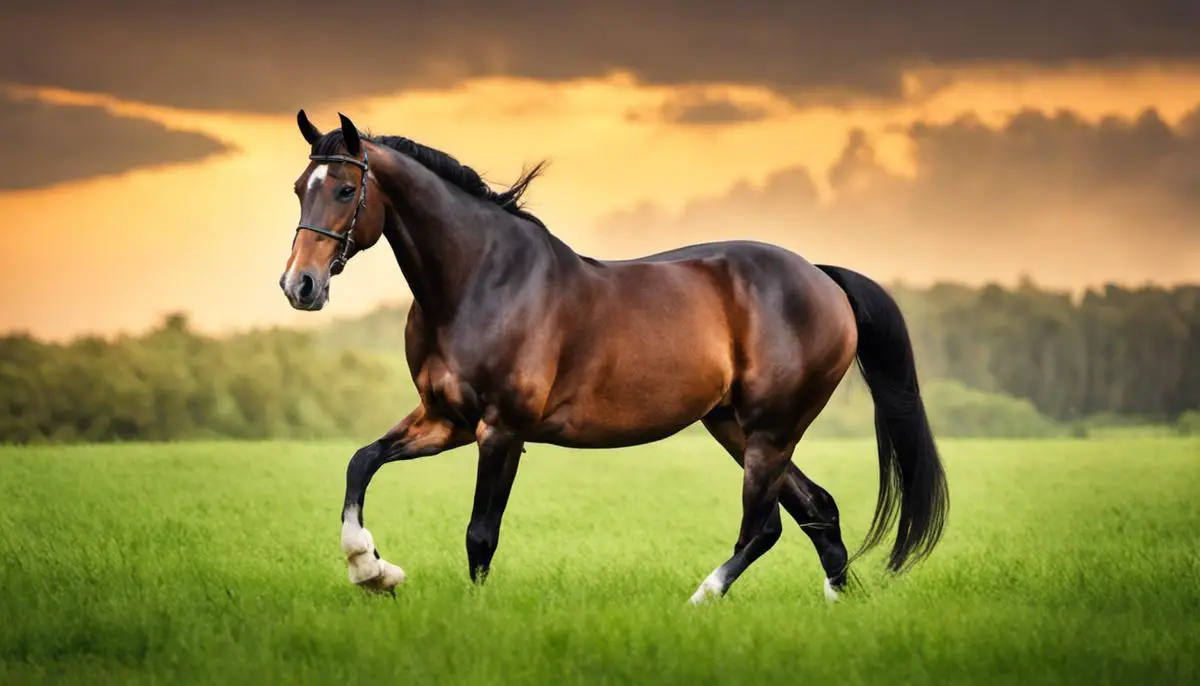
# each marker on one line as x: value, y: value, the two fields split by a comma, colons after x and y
x: 1065, y: 562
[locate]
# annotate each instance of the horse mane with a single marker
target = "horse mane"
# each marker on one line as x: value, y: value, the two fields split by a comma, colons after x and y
x: 447, y: 168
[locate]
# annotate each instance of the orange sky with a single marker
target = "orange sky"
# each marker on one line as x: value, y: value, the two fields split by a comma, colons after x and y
x: 116, y: 253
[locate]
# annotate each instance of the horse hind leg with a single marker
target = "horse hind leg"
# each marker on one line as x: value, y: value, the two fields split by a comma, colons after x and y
x: 764, y: 463
x: 812, y: 507
x: 723, y: 426
x: 816, y: 513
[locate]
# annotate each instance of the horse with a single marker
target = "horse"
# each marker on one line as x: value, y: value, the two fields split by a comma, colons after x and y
x: 513, y: 338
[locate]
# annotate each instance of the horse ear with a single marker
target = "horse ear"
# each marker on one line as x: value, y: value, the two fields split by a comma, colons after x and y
x: 310, y: 132
x: 350, y: 135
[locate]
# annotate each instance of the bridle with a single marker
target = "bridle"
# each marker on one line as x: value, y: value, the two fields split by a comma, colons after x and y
x: 338, y: 263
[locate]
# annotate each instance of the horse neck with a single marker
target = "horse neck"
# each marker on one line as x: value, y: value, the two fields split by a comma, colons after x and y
x: 438, y: 239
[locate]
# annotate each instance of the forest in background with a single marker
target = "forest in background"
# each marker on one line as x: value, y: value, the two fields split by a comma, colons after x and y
x: 1011, y: 362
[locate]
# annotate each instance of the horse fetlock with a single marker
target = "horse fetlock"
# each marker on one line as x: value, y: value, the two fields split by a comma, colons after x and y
x: 372, y: 572
x: 364, y: 567
x: 356, y: 540
x: 481, y: 539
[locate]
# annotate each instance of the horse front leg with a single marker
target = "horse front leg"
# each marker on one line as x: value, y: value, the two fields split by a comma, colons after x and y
x: 420, y: 434
x: 499, y: 458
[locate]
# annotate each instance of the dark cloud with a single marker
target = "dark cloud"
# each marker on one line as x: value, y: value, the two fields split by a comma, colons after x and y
x: 47, y: 144
x: 1051, y: 194
x: 705, y: 110
x: 278, y: 55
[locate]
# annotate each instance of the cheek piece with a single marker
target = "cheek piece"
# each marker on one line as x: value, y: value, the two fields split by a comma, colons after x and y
x: 349, y: 247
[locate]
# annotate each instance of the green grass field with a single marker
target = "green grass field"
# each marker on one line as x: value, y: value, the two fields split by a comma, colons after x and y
x: 1064, y: 562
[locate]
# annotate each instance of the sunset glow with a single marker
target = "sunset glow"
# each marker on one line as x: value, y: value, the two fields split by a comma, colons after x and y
x: 210, y: 238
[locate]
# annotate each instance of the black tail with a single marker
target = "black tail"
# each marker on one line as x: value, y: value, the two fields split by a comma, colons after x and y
x: 910, y: 471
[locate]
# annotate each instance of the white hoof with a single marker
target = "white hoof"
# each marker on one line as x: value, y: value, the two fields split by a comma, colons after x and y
x: 387, y: 576
x: 362, y: 566
x: 831, y: 594
x: 709, y: 589
x: 391, y: 576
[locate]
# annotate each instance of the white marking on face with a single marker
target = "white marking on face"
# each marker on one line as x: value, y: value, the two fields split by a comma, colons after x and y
x: 317, y: 177
x: 831, y: 593
x: 712, y: 587
x: 292, y: 273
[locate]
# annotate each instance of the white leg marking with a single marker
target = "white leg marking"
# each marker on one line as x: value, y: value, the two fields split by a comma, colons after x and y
x: 363, y: 568
x: 711, y: 587
x: 831, y: 593
x: 317, y: 177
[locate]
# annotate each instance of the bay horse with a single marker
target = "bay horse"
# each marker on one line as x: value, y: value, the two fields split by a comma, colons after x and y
x: 514, y: 338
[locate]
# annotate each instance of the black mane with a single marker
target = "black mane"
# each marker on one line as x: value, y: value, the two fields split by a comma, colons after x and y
x: 447, y: 168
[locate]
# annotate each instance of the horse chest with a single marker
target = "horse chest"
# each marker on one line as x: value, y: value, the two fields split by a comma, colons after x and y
x: 444, y: 389
x: 484, y: 394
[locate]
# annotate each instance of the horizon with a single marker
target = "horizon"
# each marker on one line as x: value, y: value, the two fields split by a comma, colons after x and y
x: 316, y: 323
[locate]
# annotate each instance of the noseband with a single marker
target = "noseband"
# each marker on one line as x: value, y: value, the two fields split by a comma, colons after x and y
x: 338, y: 263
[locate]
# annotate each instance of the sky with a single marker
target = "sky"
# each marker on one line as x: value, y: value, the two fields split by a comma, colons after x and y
x: 150, y: 147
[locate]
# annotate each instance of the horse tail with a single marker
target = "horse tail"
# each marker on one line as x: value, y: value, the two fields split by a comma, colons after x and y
x: 911, y: 477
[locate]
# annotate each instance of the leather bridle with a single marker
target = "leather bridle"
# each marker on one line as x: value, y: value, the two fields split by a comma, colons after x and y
x: 338, y: 263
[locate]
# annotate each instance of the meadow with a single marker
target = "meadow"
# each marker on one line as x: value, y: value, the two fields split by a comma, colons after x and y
x: 1065, y: 561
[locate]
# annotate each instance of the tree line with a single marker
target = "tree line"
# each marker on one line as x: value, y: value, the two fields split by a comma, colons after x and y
x: 994, y: 362
x: 174, y: 384
x: 1114, y: 351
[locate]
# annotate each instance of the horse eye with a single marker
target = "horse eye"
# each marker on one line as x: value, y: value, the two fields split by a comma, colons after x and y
x: 345, y: 192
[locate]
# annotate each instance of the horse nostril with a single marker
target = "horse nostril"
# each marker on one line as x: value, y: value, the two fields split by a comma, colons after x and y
x: 308, y: 286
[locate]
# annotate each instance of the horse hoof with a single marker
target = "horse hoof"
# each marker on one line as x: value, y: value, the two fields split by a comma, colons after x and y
x: 364, y: 567
x: 831, y: 593
x: 390, y: 575
x: 710, y: 589
x: 386, y: 578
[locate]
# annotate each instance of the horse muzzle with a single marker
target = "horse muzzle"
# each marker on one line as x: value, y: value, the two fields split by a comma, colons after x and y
x: 305, y: 289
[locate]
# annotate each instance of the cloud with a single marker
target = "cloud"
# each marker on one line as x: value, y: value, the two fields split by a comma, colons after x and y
x: 276, y: 56
x: 48, y: 144
x: 1050, y: 194
x: 703, y: 109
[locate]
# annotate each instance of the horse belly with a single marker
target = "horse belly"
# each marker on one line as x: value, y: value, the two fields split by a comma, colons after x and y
x: 641, y: 393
